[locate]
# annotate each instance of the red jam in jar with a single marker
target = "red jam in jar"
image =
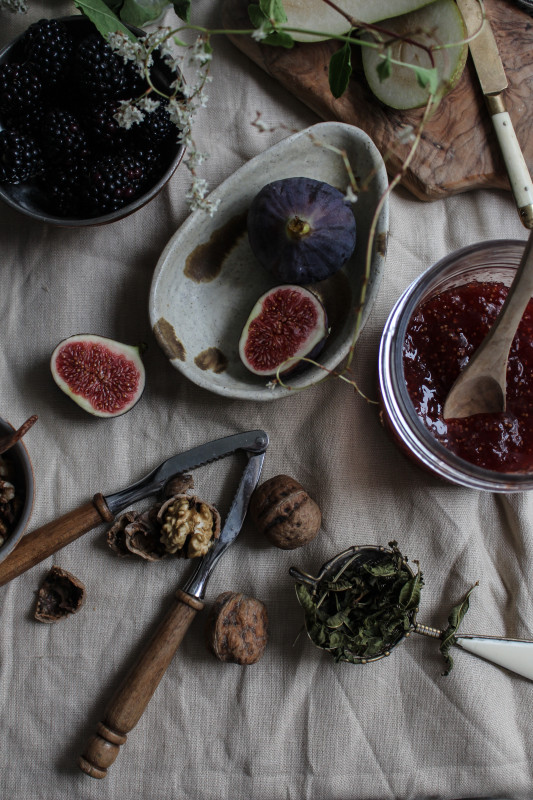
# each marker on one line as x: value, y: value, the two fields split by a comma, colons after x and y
x: 442, y: 335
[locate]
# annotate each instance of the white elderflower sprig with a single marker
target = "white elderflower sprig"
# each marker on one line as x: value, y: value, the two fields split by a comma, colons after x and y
x: 128, y: 114
x: 131, y: 50
x: 198, y: 199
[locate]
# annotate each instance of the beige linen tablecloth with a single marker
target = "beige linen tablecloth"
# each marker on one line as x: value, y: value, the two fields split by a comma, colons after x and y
x: 295, y: 725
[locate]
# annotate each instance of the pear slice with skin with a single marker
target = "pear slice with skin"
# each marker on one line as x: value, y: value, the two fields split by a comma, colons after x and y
x: 439, y: 23
x: 316, y: 15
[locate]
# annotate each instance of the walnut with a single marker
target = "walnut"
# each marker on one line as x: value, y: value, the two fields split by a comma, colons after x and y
x: 282, y: 510
x: 60, y: 595
x: 188, y: 525
x: 237, y: 628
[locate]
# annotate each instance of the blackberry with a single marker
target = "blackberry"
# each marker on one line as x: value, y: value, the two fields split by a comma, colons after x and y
x: 102, y: 128
x: 63, y: 188
x: 113, y: 181
x: 20, y: 90
x: 48, y: 46
x: 156, y: 126
x: 20, y: 157
x: 102, y: 74
x: 62, y: 137
x: 151, y: 158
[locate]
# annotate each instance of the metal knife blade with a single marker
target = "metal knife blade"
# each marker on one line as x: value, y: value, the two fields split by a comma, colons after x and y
x: 483, y: 48
x: 493, y: 81
x: 231, y: 529
x: 251, y: 442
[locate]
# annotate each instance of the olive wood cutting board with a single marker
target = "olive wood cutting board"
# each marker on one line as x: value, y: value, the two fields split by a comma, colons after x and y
x: 459, y: 150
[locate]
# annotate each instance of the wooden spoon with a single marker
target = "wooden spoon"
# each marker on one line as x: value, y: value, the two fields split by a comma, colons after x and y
x: 481, y: 386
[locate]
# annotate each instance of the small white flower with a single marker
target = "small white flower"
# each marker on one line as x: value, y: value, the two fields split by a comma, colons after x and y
x: 261, y: 33
x: 130, y: 50
x: 128, y: 114
x: 350, y: 196
x: 147, y: 104
x: 197, y: 197
x: 195, y: 159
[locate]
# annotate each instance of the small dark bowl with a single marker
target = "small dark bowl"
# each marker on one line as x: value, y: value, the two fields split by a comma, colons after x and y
x: 24, y: 484
x: 28, y: 198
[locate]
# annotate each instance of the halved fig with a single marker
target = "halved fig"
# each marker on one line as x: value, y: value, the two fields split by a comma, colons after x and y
x: 287, y: 322
x: 438, y: 24
x: 104, y: 377
x: 301, y: 230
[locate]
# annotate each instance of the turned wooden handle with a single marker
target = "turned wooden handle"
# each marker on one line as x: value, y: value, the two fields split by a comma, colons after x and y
x: 132, y: 696
x: 41, y: 543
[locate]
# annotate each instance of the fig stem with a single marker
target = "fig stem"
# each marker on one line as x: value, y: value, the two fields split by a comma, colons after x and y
x: 298, y: 228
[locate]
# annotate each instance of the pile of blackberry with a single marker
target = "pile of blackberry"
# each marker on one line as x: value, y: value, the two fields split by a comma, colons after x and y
x: 58, y: 97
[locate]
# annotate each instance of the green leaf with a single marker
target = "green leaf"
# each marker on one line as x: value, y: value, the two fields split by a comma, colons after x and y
x: 410, y: 594
x: 279, y: 39
x: 102, y: 17
x: 273, y: 9
x: 258, y: 18
x: 183, y: 9
x: 454, y: 620
x: 340, y: 70
x: 384, y: 67
x: 427, y: 78
x: 139, y: 12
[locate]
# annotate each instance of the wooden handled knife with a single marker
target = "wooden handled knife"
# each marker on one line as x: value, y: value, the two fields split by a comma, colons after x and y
x: 491, y: 74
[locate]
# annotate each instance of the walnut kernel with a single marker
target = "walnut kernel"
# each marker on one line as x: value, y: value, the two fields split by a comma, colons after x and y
x: 283, y: 511
x: 237, y: 628
x: 188, y: 525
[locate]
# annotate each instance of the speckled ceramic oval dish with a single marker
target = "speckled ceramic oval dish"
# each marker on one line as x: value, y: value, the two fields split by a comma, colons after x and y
x: 207, y: 279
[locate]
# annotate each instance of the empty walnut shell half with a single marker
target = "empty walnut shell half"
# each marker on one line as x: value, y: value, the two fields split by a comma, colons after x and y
x: 282, y: 510
x: 138, y: 534
x: 237, y: 628
x: 189, y: 525
x: 60, y: 595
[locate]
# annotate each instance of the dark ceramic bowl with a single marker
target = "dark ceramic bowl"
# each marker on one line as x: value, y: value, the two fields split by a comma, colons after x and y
x: 21, y: 476
x: 29, y: 199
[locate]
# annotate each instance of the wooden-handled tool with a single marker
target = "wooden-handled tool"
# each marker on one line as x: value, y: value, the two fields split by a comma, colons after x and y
x: 491, y: 74
x: 43, y: 542
x: 131, y: 698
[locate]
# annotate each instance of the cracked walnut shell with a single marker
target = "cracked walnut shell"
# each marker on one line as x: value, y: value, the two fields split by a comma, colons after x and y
x: 282, y: 510
x: 60, y: 595
x: 237, y: 628
x: 188, y: 525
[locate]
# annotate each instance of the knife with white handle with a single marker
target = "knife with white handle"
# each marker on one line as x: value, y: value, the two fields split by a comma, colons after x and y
x: 491, y: 74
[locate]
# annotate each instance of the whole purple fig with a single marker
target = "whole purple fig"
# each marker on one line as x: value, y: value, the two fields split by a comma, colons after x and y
x: 301, y: 230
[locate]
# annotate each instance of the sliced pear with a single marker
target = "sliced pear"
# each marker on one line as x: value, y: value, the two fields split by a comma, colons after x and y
x: 436, y: 24
x: 316, y: 15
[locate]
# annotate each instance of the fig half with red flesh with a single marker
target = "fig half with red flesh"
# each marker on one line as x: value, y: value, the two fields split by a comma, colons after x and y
x: 104, y: 377
x: 286, y: 324
x: 301, y: 230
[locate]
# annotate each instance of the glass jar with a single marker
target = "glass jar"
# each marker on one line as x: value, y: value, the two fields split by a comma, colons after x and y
x: 489, y: 261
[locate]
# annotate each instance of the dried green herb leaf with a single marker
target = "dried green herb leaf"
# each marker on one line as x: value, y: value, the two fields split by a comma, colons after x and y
x: 365, y: 609
x: 454, y: 620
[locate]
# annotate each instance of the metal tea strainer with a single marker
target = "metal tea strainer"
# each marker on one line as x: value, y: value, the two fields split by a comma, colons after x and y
x: 513, y: 654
